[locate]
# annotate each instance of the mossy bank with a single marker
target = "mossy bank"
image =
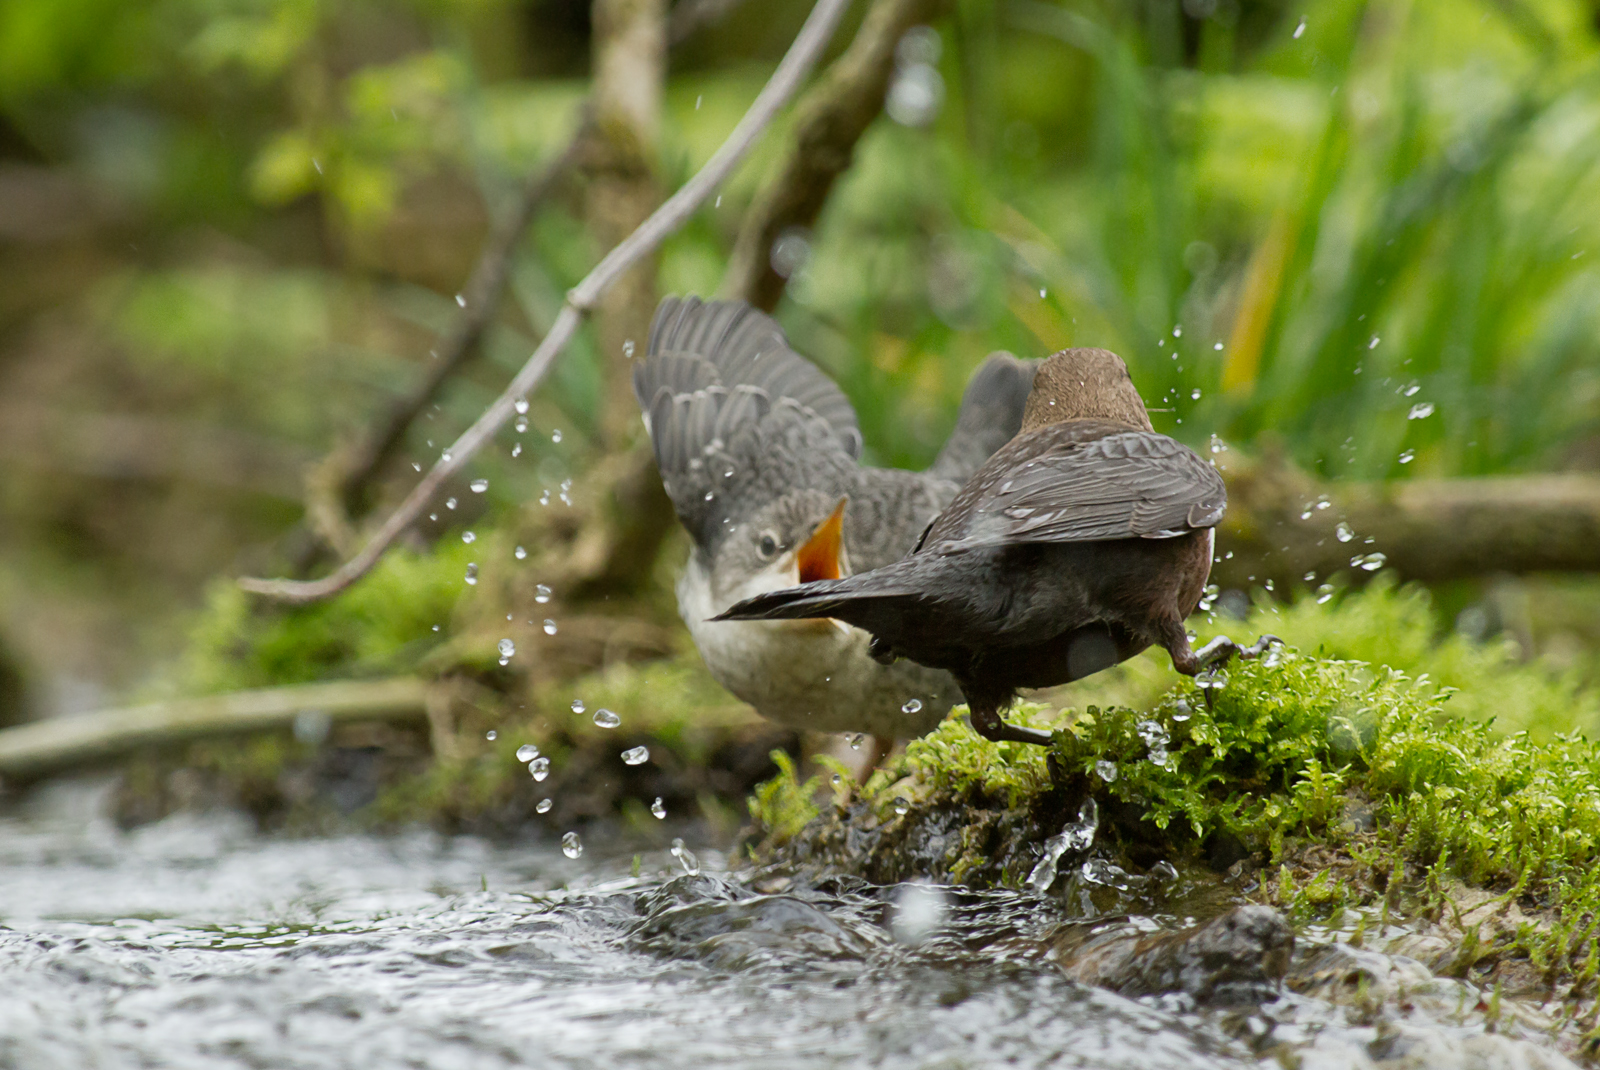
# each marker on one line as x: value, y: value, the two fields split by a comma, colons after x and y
x: 1340, y: 792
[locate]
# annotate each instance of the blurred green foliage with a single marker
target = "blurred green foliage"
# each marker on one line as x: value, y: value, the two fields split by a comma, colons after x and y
x: 1365, y: 229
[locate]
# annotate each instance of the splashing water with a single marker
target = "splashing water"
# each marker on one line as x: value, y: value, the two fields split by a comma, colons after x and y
x: 469, y: 537
x: 549, y: 627
x: 519, y: 553
x: 636, y: 755
x: 912, y: 706
x: 472, y: 574
x: 1074, y: 836
x: 572, y: 845
x: 539, y: 768
x: 1344, y: 532
x: 544, y: 805
x: 479, y: 485
x: 686, y: 858
x: 541, y: 593
x: 658, y: 809
x: 508, y: 650
x: 527, y: 753
x: 578, y: 706
x: 1105, y: 770
x: 604, y: 718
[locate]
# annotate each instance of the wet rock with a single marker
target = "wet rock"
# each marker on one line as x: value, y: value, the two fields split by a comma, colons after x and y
x: 1239, y: 956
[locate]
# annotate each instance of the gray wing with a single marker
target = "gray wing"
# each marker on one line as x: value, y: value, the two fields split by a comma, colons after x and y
x: 735, y: 416
x: 695, y: 344
x: 990, y: 416
x: 1128, y: 484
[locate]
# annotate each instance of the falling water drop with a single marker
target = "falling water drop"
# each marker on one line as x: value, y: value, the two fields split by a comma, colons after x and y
x: 461, y: 301
x: 479, y: 485
x: 555, y: 436
x: 508, y: 650
x: 545, y: 805
x: 685, y: 857
x: 491, y: 735
x: 516, y: 450
x: 520, y: 424
x: 1300, y: 28
x: 604, y: 718
x: 1344, y: 532
x: 658, y: 809
x: 912, y: 706
x: 450, y: 503
x: 855, y: 740
x: 468, y: 537
x: 1407, y: 456
x: 539, y: 768
x: 1107, y: 771
x: 578, y: 706
x: 472, y: 574
x: 549, y: 627
x: 541, y: 593
x: 636, y: 755
x: 1324, y: 594
x: 627, y: 349
x: 527, y: 753
x: 521, y: 405
x: 519, y: 553
x: 571, y: 845
x: 1420, y: 411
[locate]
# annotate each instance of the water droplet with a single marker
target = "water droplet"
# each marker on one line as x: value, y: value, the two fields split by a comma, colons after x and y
x: 472, y: 574
x: 491, y: 735
x: 604, y: 718
x: 1218, y: 347
x: 855, y: 740
x: 1194, y: 395
x: 836, y: 780
x: 516, y: 450
x: 479, y: 485
x: 627, y: 349
x: 1344, y: 532
x: 1407, y: 456
x: 1420, y: 411
x: 415, y: 467
x: 449, y: 503
x: 719, y: 201
x: 445, y: 456
x: 555, y: 436
x: 527, y: 753
x: 544, y: 496
x: 549, y: 627
x: 1374, y: 343
x: 519, y: 553
x: 1105, y: 770
x: 1324, y: 594
x: 541, y: 593
x: 461, y: 301
x: 636, y: 756
x: 1041, y: 293
x: 915, y: 95
x: 1217, y: 445
x: 571, y: 845
x: 1101, y: 871
x: 1177, y: 332
x: 698, y: 97
x: 1211, y: 680
x: 578, y: 706
x: 685, y: 857
x: 1300, y: 28
x: 1181, y: 711
x: 435, y: 627
x: 521, y: 405
x: 468, y: 537
x: 1074, y: 836
x: 545, y: 805
x: 508, y: 650
x: 901, y: 807
x: 539, y: 768
x: 1368, y: 562
x: 710, y: 496
x: 520, y: 424
x: 658, y: 809
x: 1411, y: 388
x: 912, y: 706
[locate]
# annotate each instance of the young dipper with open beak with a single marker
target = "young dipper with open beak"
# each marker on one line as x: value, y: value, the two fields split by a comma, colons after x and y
x: 758, y: 451
x: 1085, y: 539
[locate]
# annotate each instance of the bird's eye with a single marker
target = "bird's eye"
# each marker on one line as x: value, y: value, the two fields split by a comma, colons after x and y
x: 768, y: 544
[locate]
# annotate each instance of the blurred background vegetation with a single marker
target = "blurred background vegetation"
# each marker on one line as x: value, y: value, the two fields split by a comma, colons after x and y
x: 1364, y: 235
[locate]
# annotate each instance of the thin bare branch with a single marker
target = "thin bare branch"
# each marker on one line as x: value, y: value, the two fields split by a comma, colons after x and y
x: 832, y: 117
x: 792, y: 70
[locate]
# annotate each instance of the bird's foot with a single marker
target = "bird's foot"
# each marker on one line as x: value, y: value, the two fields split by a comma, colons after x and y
x: 1220, y: 651
x: 987, y: 723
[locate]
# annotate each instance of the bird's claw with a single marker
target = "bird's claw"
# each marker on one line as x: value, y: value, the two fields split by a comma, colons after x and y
x: 1221, y: 650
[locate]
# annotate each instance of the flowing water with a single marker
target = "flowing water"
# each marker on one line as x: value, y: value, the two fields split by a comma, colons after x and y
x: 197, y: 942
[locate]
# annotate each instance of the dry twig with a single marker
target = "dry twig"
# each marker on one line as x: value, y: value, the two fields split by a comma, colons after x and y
x: 581, y: 299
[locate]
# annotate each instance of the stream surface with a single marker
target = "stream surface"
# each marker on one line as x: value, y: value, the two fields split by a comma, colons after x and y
x: 197, y: 942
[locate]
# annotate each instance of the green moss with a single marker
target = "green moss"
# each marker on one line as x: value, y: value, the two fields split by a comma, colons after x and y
x: 1354, y: 767
x: 783, y: 805
x: 384, y: 624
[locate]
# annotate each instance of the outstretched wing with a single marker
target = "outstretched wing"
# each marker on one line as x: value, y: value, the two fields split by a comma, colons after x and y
x: 736, y: 417
x: 736, y: 345
x: 1084, y: 481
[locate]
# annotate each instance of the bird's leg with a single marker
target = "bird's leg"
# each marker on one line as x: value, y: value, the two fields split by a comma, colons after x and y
x: 1219, y: 651
x: 987, y: 723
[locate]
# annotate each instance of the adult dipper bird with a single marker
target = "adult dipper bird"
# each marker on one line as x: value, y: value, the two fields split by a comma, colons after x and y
x: 1081, y: 542
x: 758, y: 452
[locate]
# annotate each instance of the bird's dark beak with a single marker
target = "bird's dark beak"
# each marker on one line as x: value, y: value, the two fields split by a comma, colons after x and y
x: 818, y: 559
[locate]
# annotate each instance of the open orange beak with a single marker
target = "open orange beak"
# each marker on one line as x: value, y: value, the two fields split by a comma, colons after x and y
x: 818, y: 559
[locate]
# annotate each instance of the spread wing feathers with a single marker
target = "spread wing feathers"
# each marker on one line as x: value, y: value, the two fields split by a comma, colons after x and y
x: 989, y: 417
x: 695, y: 345
x: 722, y: 452
x: 1134, y: 484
